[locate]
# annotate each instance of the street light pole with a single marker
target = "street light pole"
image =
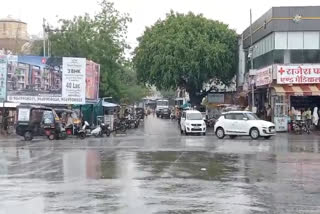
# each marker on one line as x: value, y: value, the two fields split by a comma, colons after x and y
x: 251, y: 62
x: 44, y: 37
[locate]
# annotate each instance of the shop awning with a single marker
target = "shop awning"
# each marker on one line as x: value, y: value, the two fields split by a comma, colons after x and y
x: 298, y: 90
x: 109, y: 105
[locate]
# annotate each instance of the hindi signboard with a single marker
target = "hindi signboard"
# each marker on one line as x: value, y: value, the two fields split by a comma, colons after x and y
x: 264, y: 76
x: 298, y: 74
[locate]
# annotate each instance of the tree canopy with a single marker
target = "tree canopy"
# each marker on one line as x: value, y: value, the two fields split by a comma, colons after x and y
x: 187, y: 51
x: 101, y: 38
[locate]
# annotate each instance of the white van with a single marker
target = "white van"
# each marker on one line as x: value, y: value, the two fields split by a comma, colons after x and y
x: 192, y: 122
x: 161, y: 104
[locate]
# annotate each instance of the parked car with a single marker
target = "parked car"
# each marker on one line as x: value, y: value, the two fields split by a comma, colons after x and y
x: 192, y: 122
x: 239, y: 123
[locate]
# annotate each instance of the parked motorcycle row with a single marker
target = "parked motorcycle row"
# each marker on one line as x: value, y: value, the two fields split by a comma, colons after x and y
x: 58, y: 124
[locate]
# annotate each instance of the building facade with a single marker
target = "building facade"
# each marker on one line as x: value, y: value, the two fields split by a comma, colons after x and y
x: 286, y: 62
x: 13, y: 35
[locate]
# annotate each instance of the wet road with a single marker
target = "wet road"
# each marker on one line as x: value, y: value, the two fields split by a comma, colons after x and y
x: 156, y: 170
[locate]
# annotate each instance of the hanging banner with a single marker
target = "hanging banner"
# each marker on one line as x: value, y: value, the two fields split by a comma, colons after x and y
x: 41, y: 80
x: 298, y: 74
x: 3, y: 78
x: 264, y: 76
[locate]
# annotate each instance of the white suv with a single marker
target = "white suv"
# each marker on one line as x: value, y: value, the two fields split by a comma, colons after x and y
x: 236, y: 123
x: 192, y: 122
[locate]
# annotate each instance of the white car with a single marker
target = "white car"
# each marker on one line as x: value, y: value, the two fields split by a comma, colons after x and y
x: 236, y: 123
x: 192, y: 122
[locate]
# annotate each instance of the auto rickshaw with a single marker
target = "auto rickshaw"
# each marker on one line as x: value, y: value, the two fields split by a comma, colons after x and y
x: 38, y: 121
x: 70, y: 120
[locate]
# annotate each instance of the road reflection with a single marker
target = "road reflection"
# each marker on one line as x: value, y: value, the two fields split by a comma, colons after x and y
x: 94, y: 180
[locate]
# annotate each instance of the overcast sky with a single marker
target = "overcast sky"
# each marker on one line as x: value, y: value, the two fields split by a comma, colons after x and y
x: 144, y: 12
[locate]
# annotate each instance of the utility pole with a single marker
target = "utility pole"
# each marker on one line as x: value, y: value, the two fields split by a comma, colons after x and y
x: 48, y: 46
x: 44, y: 37
x: 251, y: 62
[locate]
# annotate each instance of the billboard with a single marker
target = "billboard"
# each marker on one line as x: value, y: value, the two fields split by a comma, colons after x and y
x: 3, y: 77
x: 92, y: 81
x: 53, y: 80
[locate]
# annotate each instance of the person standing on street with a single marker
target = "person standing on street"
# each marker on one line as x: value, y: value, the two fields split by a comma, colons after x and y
x: 5, y: 121
x: 315, y: 116
x: 308, y: 117
x: 269, y: 113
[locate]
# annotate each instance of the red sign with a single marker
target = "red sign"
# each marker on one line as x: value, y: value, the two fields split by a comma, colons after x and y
x: 298, y: 74
x: 92, y: 80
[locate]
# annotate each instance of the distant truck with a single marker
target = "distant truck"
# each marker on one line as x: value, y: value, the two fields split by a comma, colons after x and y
x: 161, y: 104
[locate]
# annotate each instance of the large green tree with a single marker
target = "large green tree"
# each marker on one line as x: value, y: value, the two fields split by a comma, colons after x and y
x: 100, y: 38
x: 187, y: 51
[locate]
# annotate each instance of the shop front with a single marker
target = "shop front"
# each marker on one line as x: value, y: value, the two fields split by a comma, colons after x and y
x: 263, y: 80
x: 297, y: 87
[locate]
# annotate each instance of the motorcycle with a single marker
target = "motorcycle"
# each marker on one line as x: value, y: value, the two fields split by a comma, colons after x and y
x: 211, y: 122
x: 300, y: 126
x: 119, y: 125
x: 99, y: 131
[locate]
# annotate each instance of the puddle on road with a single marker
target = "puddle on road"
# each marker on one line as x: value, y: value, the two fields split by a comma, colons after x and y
x: 117, y: 181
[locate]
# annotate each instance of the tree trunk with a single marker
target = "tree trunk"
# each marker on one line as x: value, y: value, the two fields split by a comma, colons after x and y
x: 195, y: 98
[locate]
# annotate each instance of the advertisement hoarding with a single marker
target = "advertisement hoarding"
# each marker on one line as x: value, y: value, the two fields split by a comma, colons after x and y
x: 298, y: 74
x: 92, y: 81
x: 74, y: 79
x: 3, y: 77
x: 41, y: 80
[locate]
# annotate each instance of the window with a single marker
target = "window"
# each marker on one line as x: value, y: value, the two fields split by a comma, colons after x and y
x: 36, y: 115
x: 234, y: 116
x: 194, y: 116
x: 48, y: 117
x: 228, y: 116
x: 295, y: 40
x: 281, y: 40
x: 296, y: 56
x: 162, y: 103
x: 263, y: 60
x: 278, y: 56
x: 311, y: 56
x: 251, y: 116
x: 238, y: 116
x: 311, y: 40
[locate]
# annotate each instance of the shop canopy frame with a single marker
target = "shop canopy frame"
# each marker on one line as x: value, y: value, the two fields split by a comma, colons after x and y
x: 297, y: 90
